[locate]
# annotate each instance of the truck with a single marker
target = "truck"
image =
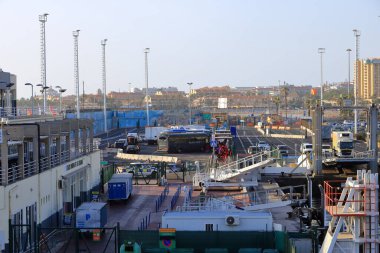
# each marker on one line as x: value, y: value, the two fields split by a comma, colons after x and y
x: 152, y: 133
x: 120, y: 186
x: 90, y: 216
x: 342, y: 143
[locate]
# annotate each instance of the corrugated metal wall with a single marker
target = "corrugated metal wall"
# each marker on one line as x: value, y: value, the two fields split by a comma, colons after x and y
x: 118, y: 119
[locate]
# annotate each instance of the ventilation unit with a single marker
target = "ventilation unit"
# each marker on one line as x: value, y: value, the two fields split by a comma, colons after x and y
x: 232, y: 220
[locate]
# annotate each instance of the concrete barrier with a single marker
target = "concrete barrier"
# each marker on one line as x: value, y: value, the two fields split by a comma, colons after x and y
x: 151, y: 158
x: 261, y: 131
x: 307, y: 129
x: 291, y: 136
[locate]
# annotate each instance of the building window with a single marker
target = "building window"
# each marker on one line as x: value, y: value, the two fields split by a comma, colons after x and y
x: 209, y: 227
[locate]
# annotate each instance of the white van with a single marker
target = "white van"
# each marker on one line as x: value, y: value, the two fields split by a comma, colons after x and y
x: 306, y: 148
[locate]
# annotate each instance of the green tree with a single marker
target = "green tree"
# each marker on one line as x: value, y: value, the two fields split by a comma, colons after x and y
x: 285, y: 93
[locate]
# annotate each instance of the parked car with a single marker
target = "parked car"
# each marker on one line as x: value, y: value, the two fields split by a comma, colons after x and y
x: 253, y: 150
x: 263, y: 145
x: 121, y: 143
x: 306, y: 148
x: 283, y: 149
x: 132, y: 149
x: 142, y: 170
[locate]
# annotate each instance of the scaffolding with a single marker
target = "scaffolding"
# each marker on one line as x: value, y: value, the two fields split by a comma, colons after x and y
x: 353, y: 205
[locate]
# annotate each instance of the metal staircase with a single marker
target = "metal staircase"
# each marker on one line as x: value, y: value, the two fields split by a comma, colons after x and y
x: 243, y: 165
x: 355, y: 215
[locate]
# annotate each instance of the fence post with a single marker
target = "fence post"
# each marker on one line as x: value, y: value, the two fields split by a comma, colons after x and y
x: 117, y: 237
x: 10, y: 235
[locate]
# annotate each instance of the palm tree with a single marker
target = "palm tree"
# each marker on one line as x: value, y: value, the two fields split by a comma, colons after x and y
x: 276, y: 100
x: 308, y: 105
x: 285, y: 93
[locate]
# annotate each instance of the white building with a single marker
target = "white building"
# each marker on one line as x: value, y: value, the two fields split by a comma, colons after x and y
x: 47, y: 169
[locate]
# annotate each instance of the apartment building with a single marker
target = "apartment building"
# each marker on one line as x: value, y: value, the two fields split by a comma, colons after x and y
x: 367, y: 77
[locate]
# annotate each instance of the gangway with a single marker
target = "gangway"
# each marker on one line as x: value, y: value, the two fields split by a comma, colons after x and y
x: 354, y: 226
x: 243, y: 165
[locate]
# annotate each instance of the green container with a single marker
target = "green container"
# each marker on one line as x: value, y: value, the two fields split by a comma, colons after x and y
x: 183, y: 250
x: 216, y: 250
x: 154, y: 250
x: 250, y: 250
x: 270, y: 251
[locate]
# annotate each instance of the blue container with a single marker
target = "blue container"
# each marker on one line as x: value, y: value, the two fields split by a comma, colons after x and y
x: 120, y: 186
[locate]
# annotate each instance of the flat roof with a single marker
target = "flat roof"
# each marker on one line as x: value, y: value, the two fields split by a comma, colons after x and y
x: 218, y: 214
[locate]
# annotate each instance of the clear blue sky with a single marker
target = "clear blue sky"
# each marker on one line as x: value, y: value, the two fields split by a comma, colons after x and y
x: 207, y: 42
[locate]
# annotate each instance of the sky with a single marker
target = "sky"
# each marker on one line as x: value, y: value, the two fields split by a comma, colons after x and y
x: 206, y: 42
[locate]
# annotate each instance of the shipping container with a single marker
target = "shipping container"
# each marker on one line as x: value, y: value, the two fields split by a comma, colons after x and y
x: 120, y: 186
x: 91, y: 215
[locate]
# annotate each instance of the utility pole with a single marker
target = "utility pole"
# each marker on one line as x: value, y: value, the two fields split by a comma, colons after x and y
x: 76, y: 70
x: 190, y: 102
x: 357, y: 36
x: 146, y: 51
x: 83, y: 95
x: 349, y: 72
x: 43, y: 20
x: 103, y: 43
x: 321, y: 51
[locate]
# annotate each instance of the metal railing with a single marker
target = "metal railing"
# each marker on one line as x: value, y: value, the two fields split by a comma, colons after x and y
x: 370, y: 154
x: 235, y: 168
x: 19, y: 172
x: 16, y: 112
x: 266, y: 196
x: 203, y: 203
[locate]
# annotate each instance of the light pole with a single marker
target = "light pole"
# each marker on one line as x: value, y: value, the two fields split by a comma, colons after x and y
x: 32, y: 97
x: 357, y: 36
x: 103, y: 43
x: 349, y: 72
x: 321, y: 51
x: 43, y: 89
x: 43, y: 20
x: 146, y: 51
x: 190, y: 101
x: 76, y: 70
x: 60, y: 97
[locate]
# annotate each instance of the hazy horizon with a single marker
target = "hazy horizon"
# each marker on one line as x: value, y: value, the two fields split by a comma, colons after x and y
x: 209, y: 43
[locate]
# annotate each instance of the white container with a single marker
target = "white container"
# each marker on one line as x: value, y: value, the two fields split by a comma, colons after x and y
x: 91, y: 215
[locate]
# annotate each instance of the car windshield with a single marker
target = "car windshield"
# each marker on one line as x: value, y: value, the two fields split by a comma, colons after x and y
x: 326, y: 147
x: 309, y: 146
x: 346, y: 145
x: 282, y: 147
x: 262, y: 142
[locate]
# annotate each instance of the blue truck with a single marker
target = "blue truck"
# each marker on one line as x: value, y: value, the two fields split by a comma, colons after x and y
x: 120, y: 187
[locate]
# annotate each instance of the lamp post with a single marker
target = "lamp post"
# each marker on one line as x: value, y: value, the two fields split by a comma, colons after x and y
x: 357, y: 36
x: 103, y: 43
x: 349, y: 72
x: 60, y: 97
x: 321, y: 51
x: 190, y: 101
x: 32, y: 97
x: 146, y: 51
x: 43, y: 88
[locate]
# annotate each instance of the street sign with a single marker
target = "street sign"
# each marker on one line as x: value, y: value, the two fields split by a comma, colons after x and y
x: 104, y: 163
x: 213, y: 144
